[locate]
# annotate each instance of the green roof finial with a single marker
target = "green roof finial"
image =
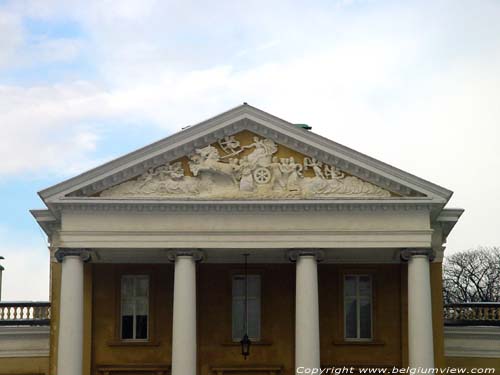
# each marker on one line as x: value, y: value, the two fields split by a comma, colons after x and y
x: 303, y: 126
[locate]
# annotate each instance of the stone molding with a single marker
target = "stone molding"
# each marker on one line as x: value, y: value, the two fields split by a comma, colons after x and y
x: 406, y: 254
x: 294, y: 254
x: 472, y: 341
x: 24, y: 342
x: 61, y: 253
x: 197, y: 254
x: 246, y: 206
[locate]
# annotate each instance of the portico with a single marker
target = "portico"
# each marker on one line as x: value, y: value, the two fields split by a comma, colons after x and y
x: 184, y: 321
x: 345, y: 256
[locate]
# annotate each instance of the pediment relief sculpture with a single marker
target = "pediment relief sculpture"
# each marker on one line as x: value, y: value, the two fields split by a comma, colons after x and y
x: 259, y: 169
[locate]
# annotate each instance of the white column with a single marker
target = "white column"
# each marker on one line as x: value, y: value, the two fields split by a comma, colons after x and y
x: 70, y: 343
x: 184, y: 347
x: 420, y: 336
x: 307, y: 350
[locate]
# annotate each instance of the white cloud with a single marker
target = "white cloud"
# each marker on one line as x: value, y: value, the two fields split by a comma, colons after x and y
x: 26, y: 265
x: 11, y: 36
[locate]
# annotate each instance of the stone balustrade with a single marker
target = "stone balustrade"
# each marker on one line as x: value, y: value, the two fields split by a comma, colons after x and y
x: 474, y: 313
x: 24, y: 313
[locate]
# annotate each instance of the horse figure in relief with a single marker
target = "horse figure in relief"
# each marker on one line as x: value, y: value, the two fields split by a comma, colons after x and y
x: 208, y: 159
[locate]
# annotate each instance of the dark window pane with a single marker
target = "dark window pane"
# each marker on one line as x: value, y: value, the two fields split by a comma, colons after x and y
x: 141, y: 327
x: 365, y: 286
x: 238, y: 286
x: 142, y: 286
x: 350, y: 286
x: 127, y: 327
x: 365, y: 317
x: 350, y: 318
x: 254, y: 286
x: 238, y: 318
x: 238, y: 311
x: 254, y: 319
x: 127, y: 286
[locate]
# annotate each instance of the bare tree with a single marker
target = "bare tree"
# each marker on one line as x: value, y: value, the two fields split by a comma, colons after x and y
x: 472, y: 276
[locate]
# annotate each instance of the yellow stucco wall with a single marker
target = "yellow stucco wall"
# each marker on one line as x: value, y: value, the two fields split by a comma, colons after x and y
x: 55, y: 292
x: 31, y: 366
x: 437, y: 313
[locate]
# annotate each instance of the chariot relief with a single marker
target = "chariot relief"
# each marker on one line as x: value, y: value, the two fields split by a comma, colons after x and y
x: 258, y: 169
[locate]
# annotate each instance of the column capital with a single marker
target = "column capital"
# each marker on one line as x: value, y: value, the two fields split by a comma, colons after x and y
x: 197, y: 254
x: 406, y: 254
x: 62, y: 252
x: 294, y: 254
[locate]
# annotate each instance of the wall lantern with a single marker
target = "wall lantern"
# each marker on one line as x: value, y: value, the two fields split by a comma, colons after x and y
x: 245, y: 341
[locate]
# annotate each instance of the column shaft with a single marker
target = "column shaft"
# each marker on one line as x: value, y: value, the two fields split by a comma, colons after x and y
x: 307, y: 313
x: 420, y: 336
x: 184, y: 319
x: 70, y: 344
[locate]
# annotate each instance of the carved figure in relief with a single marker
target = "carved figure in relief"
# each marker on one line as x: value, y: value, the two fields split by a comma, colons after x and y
x: 146, y: 177
x: 315, y: 165
x: 277, y: 180
x: 292, y: 171
x: 230, y: 146
x: 207, y: 159
x: 246, y: 182
x: 264, y: 149
x: 333, y: 173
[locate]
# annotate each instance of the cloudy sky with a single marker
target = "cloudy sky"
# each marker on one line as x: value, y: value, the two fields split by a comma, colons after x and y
x: 415, y: 84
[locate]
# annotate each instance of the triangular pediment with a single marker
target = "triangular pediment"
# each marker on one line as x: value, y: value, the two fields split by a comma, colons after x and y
x: 245, y: 153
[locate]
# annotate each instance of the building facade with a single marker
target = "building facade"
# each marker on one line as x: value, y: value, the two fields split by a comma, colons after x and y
x: 148, y: 272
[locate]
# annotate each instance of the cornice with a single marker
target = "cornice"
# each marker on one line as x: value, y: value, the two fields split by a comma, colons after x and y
x: 100, y: 205
x: 46, y: 219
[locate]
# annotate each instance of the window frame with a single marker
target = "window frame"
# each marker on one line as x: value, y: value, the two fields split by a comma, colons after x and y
x: 135, y: 276
x: 358, y: 298
x: 260, y: 322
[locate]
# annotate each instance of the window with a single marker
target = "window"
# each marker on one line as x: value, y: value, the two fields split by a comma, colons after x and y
x: 253, y: 307
x: 134, y: 307
x: 357, y: 307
